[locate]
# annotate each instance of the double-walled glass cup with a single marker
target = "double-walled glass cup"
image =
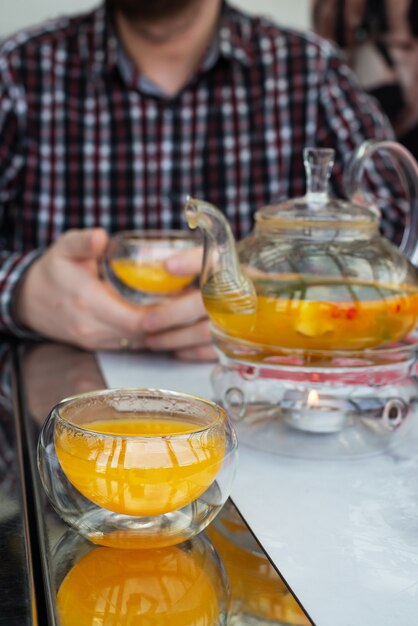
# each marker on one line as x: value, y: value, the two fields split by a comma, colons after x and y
x: 135, y: 261
x: 135, y: 468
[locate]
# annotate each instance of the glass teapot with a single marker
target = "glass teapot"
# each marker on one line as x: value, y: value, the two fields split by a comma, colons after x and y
x: 315, y: 274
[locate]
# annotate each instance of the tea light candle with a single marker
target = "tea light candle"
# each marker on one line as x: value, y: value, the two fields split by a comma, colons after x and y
x: 313, y: 412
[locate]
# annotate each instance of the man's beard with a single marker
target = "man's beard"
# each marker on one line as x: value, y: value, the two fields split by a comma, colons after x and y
x: 150, y: 9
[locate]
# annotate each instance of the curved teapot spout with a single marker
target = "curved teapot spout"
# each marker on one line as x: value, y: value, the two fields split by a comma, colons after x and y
x: 221, y: 276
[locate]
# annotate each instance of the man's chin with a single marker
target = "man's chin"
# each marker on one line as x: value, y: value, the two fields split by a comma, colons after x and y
x: 150, y: 10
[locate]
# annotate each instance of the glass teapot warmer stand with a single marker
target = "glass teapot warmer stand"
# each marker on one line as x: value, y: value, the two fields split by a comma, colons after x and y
x: 334, y: 405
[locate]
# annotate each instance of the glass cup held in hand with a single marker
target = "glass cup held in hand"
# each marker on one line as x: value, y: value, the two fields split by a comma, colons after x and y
x: 135, y: 264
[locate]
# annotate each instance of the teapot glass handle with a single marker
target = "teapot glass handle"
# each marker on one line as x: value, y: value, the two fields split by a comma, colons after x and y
x: 407, y: 169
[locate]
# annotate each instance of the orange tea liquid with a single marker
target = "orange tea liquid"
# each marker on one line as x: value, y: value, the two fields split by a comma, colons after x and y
x: 112, y: 587
x: 169, y: 465
x: 151, y: 277
x: 327, y: 316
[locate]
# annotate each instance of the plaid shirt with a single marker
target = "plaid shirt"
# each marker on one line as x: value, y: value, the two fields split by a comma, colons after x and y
x: 86, y: 141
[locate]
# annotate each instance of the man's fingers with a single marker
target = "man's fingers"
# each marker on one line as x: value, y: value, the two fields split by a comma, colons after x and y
x: 101, y: 336
x: 178, y: 338
x: 197, y: 353
x: 121, y: 318
x: 83, y: 244
x: 177, y: 312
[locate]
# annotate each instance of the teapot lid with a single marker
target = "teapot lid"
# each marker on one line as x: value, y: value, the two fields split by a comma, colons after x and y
x: 317, y: 205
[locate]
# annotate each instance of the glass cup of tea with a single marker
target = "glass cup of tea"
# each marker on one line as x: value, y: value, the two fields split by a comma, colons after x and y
x: 135, y: 260
x: 133, y: 468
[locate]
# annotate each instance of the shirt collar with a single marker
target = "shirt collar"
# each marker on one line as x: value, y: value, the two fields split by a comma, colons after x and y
x: 234, y: 36
x: 105, y: 43
x: 232, y: 41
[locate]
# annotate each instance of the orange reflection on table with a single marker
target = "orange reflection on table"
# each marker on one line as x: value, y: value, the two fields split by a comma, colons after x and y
x: 257, y: 591
x: 174, y: 586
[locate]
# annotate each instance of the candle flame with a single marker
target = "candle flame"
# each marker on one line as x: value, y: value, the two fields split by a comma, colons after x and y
x: 313, y: 398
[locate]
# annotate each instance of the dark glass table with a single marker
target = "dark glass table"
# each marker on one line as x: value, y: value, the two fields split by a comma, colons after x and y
x: 51, y: 576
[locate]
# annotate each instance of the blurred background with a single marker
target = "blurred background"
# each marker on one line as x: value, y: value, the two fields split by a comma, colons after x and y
x: 16, y: 14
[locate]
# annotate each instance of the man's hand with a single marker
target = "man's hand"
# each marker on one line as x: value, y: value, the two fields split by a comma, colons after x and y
x: 180, y: 325
x: 62, y: 296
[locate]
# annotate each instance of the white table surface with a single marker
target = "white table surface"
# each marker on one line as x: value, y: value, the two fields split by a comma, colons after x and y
x: 344, y: 534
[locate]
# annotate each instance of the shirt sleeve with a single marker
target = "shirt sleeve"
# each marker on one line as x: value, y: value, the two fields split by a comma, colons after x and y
x: 348, y: 116
x: 13, y: 262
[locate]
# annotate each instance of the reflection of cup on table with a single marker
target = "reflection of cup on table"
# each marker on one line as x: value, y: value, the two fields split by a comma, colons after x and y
x: 132, y: 468
x: 135, y: 263
x: 172, y: 586
x: 258, y: 594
